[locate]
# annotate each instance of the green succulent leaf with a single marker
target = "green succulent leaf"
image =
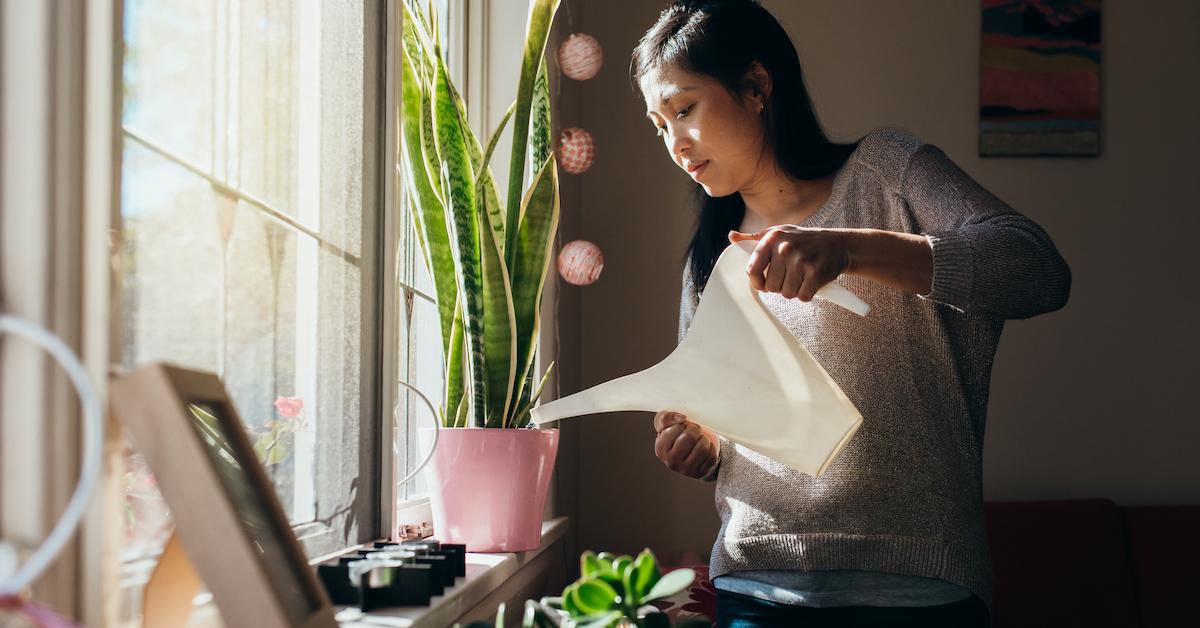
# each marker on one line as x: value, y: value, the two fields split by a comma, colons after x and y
x: 621, y: 564
x: 568, y: 601
x: 645, y: 573
x: 632, y: 597
x: 589, y: 565
x: 593, y: 596
x: 670, y: 584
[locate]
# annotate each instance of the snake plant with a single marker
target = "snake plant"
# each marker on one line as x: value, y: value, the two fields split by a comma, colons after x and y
x: 488, y: 255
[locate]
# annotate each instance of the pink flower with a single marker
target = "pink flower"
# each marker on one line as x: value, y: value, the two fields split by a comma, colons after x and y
x: 289, y: 407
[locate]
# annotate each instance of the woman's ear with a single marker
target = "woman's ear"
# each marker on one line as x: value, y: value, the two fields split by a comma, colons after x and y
x: 758, y: 84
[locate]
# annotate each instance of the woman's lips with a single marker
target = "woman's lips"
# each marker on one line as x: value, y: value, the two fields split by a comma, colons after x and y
x: 696, y: 170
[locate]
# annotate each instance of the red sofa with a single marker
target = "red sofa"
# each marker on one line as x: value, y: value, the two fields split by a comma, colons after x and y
x: 1093, y: 563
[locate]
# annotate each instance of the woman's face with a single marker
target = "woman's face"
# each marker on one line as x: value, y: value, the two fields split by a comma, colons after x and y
x: 712, y: 135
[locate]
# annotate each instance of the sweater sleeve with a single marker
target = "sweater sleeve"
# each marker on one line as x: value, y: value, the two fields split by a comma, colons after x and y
x: 986, y: 255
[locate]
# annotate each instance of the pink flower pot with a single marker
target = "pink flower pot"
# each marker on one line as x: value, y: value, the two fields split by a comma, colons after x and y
x: 487, y: 487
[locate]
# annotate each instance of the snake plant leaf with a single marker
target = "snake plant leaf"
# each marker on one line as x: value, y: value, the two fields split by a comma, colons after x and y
x: 421, y: 52
x: 541, y: 13
x: 414, y: 7
x: 455, y: 375
x: 426, y: 208
x: 670, y: 584
x: 491, y: 200
x: 429, y: 149
x: 485, y: 181
x: 460, y: 415
x: 499, y: 323
x: 521, y: 417
x: 462, y: 225
x: 539, y: 220
x: 542, y: 126
x: 500, y: 341
x: 417, y: 45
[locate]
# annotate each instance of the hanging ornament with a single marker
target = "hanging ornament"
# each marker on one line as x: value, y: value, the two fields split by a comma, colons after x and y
x: 576, y: 149
x: 580, y: 262
x: 580, y: 56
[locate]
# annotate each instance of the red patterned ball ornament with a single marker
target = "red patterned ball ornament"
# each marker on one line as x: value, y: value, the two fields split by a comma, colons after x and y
x: 576, y: 150
x: 580, y: 262
x: 580, y: 56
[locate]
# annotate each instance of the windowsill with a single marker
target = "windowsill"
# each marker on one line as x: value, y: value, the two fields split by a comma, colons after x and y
x: 486, y: 573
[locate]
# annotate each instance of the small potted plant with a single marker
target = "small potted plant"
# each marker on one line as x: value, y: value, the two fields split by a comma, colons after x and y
x: 612, y: 591
x: 488, y: 258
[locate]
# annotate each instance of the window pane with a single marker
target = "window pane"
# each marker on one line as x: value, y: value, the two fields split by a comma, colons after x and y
x: 242, y: 217
x: 269, y: 78
x: 427, y: 373
x: 170, y: 51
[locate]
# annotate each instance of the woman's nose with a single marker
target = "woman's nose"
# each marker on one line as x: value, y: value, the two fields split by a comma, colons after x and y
x: 678, y: 143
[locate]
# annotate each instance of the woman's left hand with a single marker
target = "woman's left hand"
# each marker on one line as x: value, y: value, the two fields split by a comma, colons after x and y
x: 795, y: 261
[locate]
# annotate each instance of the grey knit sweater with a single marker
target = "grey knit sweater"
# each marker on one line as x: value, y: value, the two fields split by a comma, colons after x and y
x: 905, y: 496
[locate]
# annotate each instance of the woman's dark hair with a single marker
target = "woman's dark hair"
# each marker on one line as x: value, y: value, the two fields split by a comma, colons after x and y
x: 722, y: 39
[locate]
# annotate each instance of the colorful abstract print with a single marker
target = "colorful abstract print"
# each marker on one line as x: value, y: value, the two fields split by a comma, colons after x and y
x: 1040, y: 78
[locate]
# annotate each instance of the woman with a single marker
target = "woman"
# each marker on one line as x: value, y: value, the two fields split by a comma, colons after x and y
x: 893, y: 533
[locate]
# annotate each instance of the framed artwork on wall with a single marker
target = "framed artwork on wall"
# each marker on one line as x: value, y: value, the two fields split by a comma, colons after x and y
x: 1039, y: 92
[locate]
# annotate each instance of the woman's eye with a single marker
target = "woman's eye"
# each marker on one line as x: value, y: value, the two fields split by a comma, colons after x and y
x: 684, y: 112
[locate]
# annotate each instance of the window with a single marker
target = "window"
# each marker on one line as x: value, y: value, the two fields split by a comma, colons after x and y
x: 253, y: 241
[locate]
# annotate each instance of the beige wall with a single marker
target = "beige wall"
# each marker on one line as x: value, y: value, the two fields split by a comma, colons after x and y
x: 1095, y: 400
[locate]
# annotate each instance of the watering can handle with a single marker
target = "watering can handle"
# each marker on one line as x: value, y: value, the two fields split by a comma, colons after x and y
x: 835, y: 292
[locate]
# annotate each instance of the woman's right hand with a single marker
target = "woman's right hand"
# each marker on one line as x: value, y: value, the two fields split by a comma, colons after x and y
x: 685, y: 447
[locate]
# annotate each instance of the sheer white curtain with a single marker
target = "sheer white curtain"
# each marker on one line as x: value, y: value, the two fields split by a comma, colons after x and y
x: 57, y: 191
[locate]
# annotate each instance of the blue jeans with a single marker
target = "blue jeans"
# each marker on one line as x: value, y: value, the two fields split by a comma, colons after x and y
x: 735, y: 610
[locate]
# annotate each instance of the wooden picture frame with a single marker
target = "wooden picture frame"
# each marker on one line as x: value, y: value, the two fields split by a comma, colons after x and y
x: 227, y: 515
